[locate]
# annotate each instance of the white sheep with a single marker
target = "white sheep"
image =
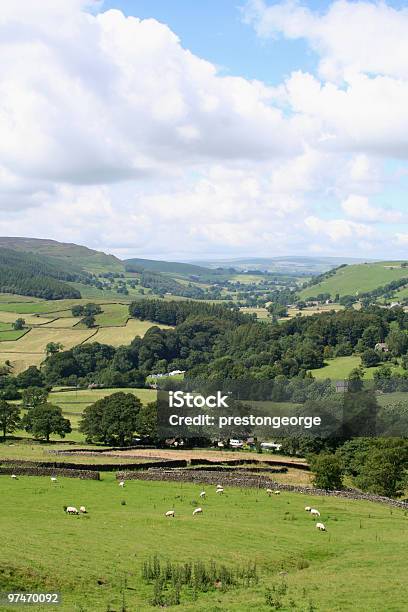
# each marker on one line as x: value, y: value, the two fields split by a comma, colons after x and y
x: 277, y: 492
x: 71, y: 510
x: 14, y: 477
x: 314, y: 512
x: 53, y: 479
x: 83, y: 510
x: 320, y: 526
x: 220, y: 491
x: 122, y: 483
x: 202, y: 494
x: 170, y: 513
x: 269, y: 492
x: 308, y: 508
x: 197, y: 511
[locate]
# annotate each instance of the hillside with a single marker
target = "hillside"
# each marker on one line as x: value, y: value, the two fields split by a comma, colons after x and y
x: 357, y: 279
x: 295, y: 265
x: 35, y: 276
x: 79, y: 256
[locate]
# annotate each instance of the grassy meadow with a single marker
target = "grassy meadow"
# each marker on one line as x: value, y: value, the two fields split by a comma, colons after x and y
x: 358, y: 279
x: 95, y: 560
x: 339, y: 368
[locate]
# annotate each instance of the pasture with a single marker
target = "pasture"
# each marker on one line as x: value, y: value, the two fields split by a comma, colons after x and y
x: 52, y: 321
x: 357, y: 278
x: 95, y: 559
x: 339, y: 368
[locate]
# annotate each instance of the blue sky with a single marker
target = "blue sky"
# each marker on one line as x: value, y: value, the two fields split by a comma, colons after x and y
x: 216, y: 128
x: 214, y: 29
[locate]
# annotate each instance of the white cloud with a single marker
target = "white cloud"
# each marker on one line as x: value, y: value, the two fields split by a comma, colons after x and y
x: 338, y: 229
x: 114, y: 135
x: 365, y: 36
x: 97, y: 98
x: 359, y: 208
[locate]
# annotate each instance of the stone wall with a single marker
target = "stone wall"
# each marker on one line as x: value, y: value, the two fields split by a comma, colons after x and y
x: 44, y: 471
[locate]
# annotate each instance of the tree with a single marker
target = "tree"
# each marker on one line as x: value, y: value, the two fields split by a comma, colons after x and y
x: 147, y: 422
x: 44, y: 420
x: 77, y: 310
x: 9, y: 417
x: 89, y: 321
x: 397, y: 341
x: 18, y: 324
x: 34, y: 396
x: 327, y: 471
x: 384, y: 471
x: 31, y: 377
x: 53, y: 347
x: 112, y: 420
x: 370, y: 358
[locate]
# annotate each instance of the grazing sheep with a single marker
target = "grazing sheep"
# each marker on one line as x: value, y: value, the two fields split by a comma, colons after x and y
x: 14, y: 477
x: 277, y: 492
x: 314, y: 512
x: 220, y: 491
x: 83, y: 510
x: 308, y: 508
x: 320, y: 526
x: 202, y: 494
x: 269, y: 492
x: 53, y: 479
x: 197, y: 511
x: 71, y: 510
x: 170, y: 513
x: 122, y: 483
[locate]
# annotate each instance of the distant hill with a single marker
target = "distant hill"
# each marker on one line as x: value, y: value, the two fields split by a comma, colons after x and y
x: 294, y: 265
x: 35, y: 275
x: 357, y: 279
x: 78, y: 256
x: 170, y: 267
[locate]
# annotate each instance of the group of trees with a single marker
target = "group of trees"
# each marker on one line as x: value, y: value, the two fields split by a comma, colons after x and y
x: 41, y: 418
x: 87, y: 312
x: 374, y: 465
x: 34, y: 275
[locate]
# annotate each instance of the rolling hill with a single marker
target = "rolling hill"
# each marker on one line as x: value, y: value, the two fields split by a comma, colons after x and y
x: 295, y: 265
x: 37, y: 276
x: 77, y: 256
x: 357, y: 279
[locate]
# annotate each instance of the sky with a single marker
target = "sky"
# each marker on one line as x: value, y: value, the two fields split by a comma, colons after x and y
x: 200, y: 130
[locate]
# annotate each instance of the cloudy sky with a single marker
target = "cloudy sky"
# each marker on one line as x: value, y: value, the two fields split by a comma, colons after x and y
x: 180, y: 129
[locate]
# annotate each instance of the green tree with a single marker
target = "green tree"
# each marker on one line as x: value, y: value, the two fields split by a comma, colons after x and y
x: 112, y: 420
x: 370, y: 358
x: 31, y: 377
x: 19, y: 324
x: 89, y: 321
x: 9, y: 417
x: 397, y: 341
x: 384, y: 471
x: 34, y: 396
x: 53, y: 347
x: 44, y: 420
x: 327, y: 471
x: 147, y: 422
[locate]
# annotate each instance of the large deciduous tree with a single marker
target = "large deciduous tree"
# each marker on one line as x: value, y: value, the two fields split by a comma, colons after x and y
x: 112, y: 420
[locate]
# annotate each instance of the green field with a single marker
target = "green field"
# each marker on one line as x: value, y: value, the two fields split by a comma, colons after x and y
x: 11, y: 334
x: 52, y: 321
x: 358, y: 278
x: 339, y: 368
x: 95, y: 560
